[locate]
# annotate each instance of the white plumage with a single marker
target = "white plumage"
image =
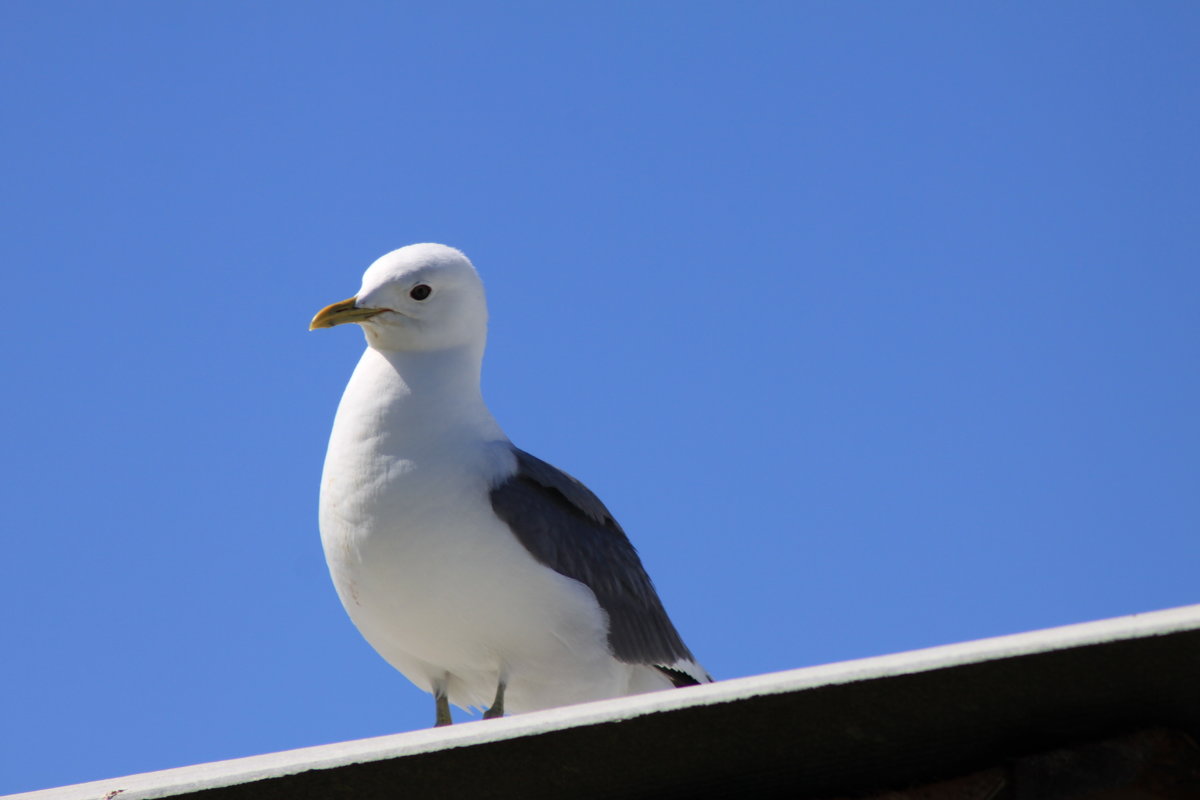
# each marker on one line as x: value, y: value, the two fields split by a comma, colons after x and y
x: 451, y: 549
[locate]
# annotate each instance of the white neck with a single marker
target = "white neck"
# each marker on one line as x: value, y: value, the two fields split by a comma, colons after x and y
x: 403, y: 398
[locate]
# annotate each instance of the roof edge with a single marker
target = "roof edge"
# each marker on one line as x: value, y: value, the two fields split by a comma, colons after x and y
x: 180, y: 780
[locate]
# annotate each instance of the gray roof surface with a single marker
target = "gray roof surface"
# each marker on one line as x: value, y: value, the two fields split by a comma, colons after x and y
x: 847, y: 728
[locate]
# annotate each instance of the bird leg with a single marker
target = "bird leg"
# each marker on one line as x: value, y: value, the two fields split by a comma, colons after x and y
x: 497, y: 709
x: 443, y: 707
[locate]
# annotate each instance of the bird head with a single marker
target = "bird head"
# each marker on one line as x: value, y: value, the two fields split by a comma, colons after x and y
x: 420, y: 297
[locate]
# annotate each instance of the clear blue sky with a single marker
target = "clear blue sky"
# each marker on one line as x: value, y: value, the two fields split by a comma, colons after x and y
x: 875, y: 324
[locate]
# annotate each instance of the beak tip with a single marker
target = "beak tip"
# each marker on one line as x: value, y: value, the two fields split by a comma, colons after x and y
x: 334, y: 315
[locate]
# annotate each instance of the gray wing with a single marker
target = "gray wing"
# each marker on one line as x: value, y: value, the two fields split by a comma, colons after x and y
x: 569, y: 530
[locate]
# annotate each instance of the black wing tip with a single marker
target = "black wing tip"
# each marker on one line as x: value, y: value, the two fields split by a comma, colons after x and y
x: 678, y: 677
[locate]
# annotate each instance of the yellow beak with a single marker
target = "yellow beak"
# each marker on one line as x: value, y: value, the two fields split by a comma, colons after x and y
x: 339, y: 313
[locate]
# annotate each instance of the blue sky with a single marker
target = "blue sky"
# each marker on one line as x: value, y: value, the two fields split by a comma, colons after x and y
x: 875, y: 325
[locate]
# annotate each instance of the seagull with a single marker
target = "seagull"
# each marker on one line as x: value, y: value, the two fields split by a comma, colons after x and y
x: 486, y: 576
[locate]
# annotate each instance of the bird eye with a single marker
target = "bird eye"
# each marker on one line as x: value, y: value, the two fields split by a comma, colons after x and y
x: 420, y: 292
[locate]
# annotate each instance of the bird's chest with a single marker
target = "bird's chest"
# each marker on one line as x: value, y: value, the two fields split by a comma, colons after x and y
x: 400, y: 524
x: 376, y: 506
x: 405, y: 507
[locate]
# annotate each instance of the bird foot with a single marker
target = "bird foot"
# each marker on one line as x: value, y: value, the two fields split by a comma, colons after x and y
x: 443, y: 711
x: 497, y: 709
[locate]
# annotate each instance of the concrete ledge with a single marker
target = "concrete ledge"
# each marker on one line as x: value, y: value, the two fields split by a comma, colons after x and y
x: 848, y: 728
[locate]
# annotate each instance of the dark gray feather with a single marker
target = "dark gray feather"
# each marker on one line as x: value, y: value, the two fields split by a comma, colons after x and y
x: 569, y: 530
